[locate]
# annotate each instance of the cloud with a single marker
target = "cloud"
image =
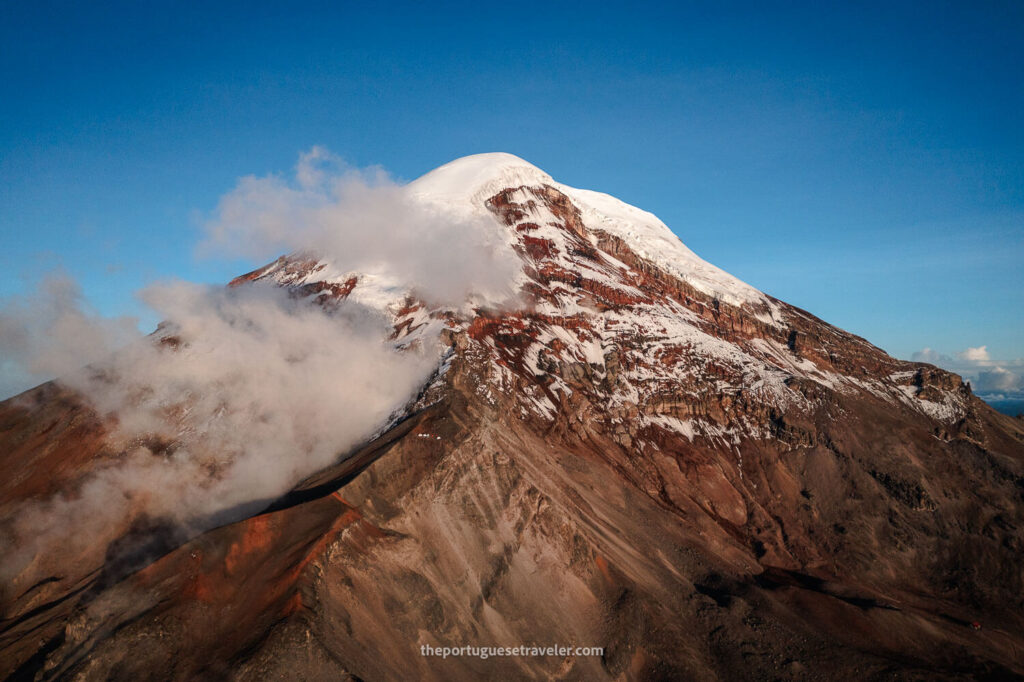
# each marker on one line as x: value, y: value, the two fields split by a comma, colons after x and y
x: 927, y: 355
x: 975, y: 356
x: 314, y: 166
x: 986, y: 375
x: 998, y: 380
x: 242, y: 394
x: 52, y: 331
x: 363, y: 221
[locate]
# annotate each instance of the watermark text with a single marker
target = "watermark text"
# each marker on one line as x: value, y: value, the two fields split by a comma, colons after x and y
x: 521, y: 650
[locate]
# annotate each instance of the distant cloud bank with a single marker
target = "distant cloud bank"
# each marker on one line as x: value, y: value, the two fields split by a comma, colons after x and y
x: 990, y: 378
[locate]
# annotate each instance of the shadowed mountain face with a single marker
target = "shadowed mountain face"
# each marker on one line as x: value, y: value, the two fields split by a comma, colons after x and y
x: 641, y: 454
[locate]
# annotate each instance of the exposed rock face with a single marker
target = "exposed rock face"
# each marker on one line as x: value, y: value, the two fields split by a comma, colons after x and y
x: 706, y: 486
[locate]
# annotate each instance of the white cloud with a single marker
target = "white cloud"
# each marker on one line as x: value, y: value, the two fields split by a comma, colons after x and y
x: 975, y: 356
x: 927, y: 355
x: 314, y: 166
x: 252, y: 391
x: 986, y: 375
x: 998, y: 379
x: 52, y: 331
x: 362, y: 221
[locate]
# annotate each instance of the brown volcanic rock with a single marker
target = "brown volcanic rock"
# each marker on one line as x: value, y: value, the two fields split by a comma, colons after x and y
x: 703, y: 489
x: 49, y: 436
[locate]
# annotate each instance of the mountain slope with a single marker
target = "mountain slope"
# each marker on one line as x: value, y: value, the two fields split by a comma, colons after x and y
x: 639, y: 453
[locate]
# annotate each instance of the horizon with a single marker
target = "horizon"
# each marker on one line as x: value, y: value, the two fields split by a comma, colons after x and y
x: 862, y: 164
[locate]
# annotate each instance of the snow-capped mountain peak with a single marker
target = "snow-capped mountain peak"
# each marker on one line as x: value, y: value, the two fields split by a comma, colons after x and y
x: 638, y: 437
x: 473, y: 179
x: 602, y: 285
x: 464, y: 185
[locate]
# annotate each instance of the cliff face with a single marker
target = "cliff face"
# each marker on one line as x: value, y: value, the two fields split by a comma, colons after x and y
x: 653, y: 459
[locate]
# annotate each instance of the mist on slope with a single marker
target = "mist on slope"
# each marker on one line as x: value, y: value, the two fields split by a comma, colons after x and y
x: 53, y: 331
x: 362, y: 220
x: 244, y: 391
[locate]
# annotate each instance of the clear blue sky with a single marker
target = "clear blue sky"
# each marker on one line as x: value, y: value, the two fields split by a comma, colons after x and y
x: 864, y: 163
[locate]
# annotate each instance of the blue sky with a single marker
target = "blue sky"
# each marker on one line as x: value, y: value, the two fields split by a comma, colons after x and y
x: 864, y: 163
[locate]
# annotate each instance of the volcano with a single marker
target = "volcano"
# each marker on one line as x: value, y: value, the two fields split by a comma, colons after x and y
x: 638, y: 454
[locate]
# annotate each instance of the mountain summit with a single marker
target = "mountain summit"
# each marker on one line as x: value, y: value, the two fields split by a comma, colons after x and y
x: 466, y: 184
x: 639, y: 453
